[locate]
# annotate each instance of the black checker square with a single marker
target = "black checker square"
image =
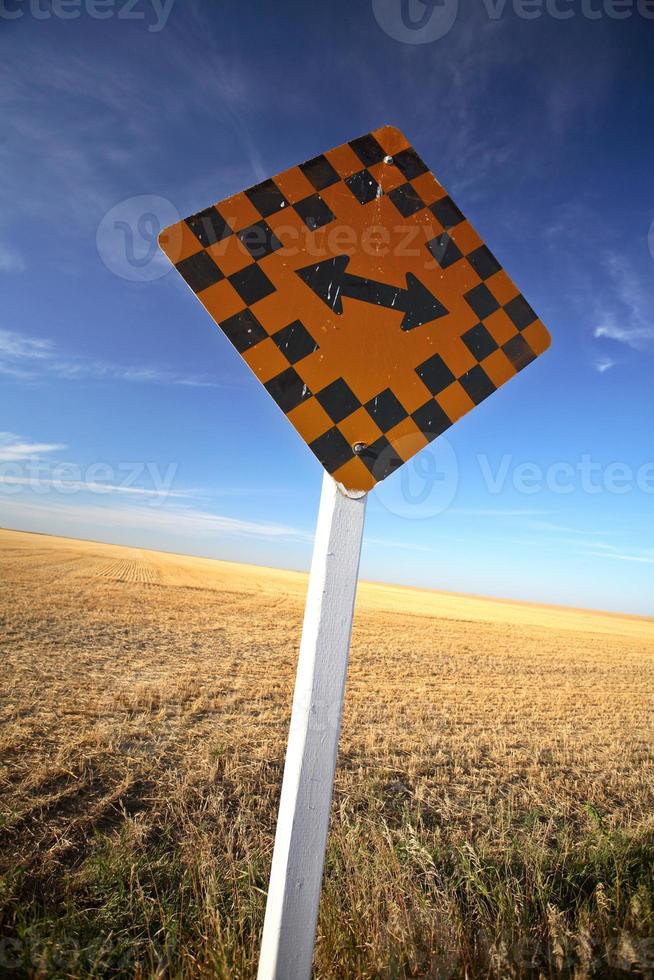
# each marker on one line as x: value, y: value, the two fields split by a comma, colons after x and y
x: 380, y: 458
x: 314, y: 212
x: 435, y: 374
x: 319, y: 172
x: 259, y: 239
x: 338, y: 400
x: 364, y: 186
x: 288, y: 389
x: 295, y: 341
x: 483, y: 262
x: 445, y: 250
x: 200, y: 271
x: 518, y: 352
x: 482, y: 301
x: 332, y: 449
x: 520, y: 312
x: 385, y: 410
x: 266, y: 197
x: 409, y: 163
x: 431, y: 419
x: 477, y: 384
x: 243, y: 329
x: 368, y: 150
x: 209, y: 226
x: 406, y: 199
x: 479, y: 341
x: 447, y: 212
x: 251, y: 284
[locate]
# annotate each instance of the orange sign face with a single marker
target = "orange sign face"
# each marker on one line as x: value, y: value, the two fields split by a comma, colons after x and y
x: 362, y: 299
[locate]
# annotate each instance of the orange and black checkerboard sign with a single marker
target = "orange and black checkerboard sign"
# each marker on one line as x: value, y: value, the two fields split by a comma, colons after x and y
x: 362, y: 299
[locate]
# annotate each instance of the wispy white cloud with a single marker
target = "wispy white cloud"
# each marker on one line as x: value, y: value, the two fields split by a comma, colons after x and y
x: 577, y: 546
x: 576, y: 542
x: 538, y: 525
x: 64, y: 485
x: 98, y: 152
x: 613, y: 290
x: 17, y: 449
x: 177, y: 520
x: 645, y: 557
x: 32, y: 358
x: 20, y: 347
x: 156, y: 513
x: 33, y: 468
x: 636, y: 335
x: 626, y: 313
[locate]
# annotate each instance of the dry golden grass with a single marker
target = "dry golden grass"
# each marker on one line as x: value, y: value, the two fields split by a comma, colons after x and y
x: 493, y: 802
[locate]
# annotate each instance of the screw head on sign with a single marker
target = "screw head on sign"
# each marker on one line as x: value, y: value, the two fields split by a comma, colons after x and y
x: 358, y: 448
x: 388, y: 159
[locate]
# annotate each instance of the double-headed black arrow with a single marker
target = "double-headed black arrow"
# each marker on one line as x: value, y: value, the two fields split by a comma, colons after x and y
x: 330, y: 281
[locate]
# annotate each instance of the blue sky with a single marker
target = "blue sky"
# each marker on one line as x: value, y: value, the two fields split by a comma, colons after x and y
x: 127, y: 417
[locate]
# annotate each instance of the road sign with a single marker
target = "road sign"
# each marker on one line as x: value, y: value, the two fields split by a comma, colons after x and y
x: 364, y: 301
x: 376, y: 317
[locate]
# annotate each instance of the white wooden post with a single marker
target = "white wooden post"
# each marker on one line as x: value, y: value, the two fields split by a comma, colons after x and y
x: 302, y: 823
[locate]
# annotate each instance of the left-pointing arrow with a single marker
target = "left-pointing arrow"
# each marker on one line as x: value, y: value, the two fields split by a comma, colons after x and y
x: 330, y: 281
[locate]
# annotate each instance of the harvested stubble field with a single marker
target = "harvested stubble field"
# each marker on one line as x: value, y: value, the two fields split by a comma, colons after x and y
x: 493, y: 804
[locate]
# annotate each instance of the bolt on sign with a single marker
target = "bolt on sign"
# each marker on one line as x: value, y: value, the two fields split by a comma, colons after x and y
x: 363, y: 300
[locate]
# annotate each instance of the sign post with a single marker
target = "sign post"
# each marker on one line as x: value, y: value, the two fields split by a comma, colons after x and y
x: 376, y: 317
x: 295, y: 880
